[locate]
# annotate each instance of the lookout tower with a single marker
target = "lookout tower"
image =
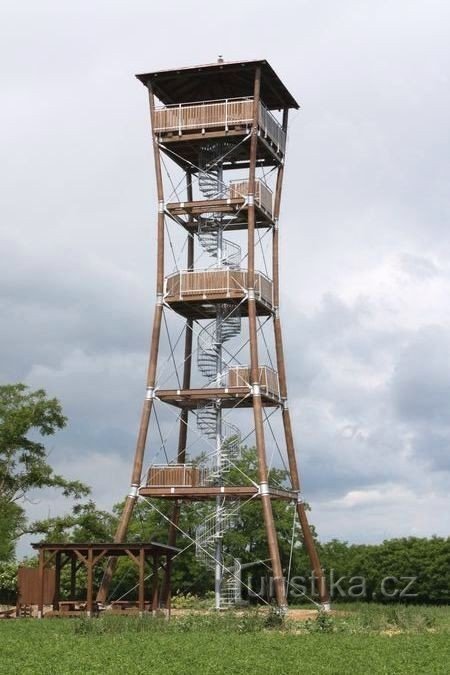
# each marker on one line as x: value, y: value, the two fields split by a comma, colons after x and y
x: 219, y: 142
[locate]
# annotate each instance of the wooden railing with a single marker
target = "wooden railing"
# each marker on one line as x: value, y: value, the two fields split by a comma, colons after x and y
x: 239, y: 376
x: 175, y: 475
x: 230, y: 283
x: 263, y: 196
x: 224, y: 114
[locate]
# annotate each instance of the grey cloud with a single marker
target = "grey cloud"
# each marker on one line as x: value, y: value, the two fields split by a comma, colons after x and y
x: 421, y: 381
x: 419, y: 266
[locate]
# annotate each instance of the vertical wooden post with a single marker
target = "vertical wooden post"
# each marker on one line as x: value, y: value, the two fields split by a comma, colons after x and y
x: 73, y: 576
x: 90, y: 588
x: 41, y: 583
x: 168, y: 599
x: 281, y: 367
x: 254, y: 366
x: 155, y: 585
x: 57, y: 593
x: 166, y: 582
x: 182, y: 436
x: 151, y: 371
x: 141, y: 581
x: 181, y: 455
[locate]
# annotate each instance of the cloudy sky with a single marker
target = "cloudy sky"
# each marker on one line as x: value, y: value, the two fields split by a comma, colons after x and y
x: 365, y: 242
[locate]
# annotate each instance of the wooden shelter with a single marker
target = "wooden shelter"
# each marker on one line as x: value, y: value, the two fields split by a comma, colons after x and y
x: 53, y: 557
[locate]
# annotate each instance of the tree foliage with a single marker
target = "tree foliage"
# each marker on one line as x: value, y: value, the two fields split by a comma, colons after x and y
x: 425, y: 561
x: 86, y: 523
x: 26, y: 418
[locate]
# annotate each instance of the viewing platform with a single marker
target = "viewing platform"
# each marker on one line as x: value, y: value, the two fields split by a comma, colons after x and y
x: 234, y: 205
x: 186, y: 481
x: 193, y: 293
x: 236, y: 393
x: 183, y: 127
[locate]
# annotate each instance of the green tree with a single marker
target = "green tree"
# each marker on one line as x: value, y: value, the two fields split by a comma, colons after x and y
x: 12, y: 525
x: 85, y: 523
x: 26, y: 417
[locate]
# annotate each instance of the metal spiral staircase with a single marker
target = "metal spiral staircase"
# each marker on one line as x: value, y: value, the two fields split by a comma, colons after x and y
x: 213, y: 336
x: 212, y: 186
x: 208, y: 236
x: 207, y: 424
x: 210, y: 341
x: 209, y: 362
x: 207, y: 535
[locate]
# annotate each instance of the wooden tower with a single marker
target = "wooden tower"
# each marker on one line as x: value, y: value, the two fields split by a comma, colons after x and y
x: 219, y: 136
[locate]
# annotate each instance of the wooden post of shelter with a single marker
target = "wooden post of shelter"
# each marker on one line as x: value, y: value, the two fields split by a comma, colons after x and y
x: 41, y: 583
x: 141, y: 582
x: 56, y: 597
x: 90, y: 581
x: 73, y: 576
x: 155, y: 584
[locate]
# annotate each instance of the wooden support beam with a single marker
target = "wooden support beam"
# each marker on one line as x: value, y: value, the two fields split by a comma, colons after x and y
x: 155, y: 584
x: 90, y: 582
x: 81, y: 557
x: 57, y: 593
x: 254, y: 365
x: 73, y: 577
x: 141, y: 562
x: 49, y: 558
x: 100, y: 556
x: 134, y: 558
x: 41, y: 583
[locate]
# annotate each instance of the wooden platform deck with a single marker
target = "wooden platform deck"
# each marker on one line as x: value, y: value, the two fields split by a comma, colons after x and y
x: 183, y: 128
x: 193, y: 294
x: 233, y: 207
x: 237, y: 397
x: 211, y: 492
x: 184, y: 149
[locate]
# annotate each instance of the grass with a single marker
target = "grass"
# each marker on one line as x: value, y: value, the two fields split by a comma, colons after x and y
x: 372, y: 638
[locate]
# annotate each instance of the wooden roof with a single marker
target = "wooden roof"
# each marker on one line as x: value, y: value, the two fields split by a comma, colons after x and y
x: 232, y: 79
x: 111, y: 548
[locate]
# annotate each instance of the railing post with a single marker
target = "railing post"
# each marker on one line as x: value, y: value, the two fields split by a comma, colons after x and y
x: 179, y: 120
x: 226, y: 114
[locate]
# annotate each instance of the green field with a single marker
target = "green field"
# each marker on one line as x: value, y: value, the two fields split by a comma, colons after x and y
x: 366, y: 640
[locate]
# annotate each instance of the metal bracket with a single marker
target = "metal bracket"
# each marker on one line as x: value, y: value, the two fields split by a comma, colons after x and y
x: 161, y: 206
x: 264, y: 489
x: 150, y: 393
x: 251, y: 200
x: 134, y: 491
x: 255, y: 389
x: 300, y: 499
x: 251, y: 293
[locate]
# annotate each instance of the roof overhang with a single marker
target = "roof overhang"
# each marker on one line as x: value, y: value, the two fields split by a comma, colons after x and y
x: 232, y: 79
